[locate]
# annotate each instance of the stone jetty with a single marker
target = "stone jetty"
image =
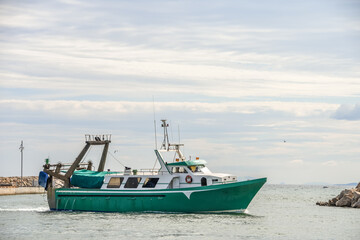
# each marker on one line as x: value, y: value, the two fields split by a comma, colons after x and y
x: 31, y: 181
x: 16, y: 185
x: 347, y: 198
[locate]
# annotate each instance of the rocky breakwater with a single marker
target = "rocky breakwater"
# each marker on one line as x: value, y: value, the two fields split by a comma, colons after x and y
x: 31, y: 181
x: 347, y: 198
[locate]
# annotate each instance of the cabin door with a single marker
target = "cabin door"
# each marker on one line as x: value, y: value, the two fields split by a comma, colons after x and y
x: 176, y: 182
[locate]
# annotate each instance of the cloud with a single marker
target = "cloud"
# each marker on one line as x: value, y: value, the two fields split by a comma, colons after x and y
x: 348, y: 112
x: 87, y: 108
x: 297, y: 162
x: 330, y: 163
x: 99, y: 58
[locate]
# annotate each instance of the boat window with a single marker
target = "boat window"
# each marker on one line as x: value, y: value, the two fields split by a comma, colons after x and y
x: 196, y: 168
x: 115, y: 182
x: 150, y: 182
x: 205, y: 170
x: 179, y: 170
x: 132, y: 182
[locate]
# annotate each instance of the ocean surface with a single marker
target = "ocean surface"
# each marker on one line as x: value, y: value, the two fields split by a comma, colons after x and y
x: 277, y: 212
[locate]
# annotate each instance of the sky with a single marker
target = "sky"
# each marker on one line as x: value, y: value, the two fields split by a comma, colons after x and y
x: 267, y: 88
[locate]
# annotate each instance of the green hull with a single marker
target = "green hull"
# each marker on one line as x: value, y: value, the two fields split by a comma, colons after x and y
x: 222, y: 198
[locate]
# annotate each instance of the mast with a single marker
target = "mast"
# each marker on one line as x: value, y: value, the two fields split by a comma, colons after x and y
x: 167, y: 146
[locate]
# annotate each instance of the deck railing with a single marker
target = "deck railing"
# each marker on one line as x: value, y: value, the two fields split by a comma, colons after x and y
x: 63, y: 167
x: 100, y: 137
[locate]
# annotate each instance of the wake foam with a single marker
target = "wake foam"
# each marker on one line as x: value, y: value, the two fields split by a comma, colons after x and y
x: 38, y: 209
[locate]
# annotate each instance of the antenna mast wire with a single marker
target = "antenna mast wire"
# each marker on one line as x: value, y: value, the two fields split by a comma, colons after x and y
x: 116, y: 158
x: 154, y: 123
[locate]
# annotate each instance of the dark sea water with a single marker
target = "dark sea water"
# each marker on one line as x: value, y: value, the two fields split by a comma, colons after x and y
x: 277, y: 212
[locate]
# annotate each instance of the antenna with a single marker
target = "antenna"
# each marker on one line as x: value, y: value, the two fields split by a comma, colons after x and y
x: 154, y: 123
x: 21, y: 150
x: 172, y: 134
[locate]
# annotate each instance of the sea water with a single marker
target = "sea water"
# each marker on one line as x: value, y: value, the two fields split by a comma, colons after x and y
x: 277, y: 212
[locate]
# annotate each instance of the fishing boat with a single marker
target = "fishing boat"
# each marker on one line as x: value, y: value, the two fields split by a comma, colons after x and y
x: 181, y: 185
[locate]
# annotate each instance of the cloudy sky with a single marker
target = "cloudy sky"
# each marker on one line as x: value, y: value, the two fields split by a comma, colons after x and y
x: 257, y: 88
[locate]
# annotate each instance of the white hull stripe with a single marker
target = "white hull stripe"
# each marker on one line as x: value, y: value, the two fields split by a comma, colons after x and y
x: 186, y: 193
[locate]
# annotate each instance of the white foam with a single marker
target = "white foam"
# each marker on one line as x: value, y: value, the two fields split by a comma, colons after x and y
x: 38, y: 209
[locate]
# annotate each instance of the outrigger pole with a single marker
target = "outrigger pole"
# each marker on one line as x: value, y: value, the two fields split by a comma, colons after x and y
x: 89, y: 140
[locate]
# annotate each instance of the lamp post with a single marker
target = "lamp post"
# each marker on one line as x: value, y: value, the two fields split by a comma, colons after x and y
x: 22, y: 155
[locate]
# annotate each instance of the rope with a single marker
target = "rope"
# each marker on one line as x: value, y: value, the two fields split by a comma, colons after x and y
x: 116, y: 159
x: 154, y: 164
x: 86, y: 154
x: 107, y: 152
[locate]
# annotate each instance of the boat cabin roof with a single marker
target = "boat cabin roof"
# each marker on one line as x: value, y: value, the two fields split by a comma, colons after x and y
x: 188, y: 163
